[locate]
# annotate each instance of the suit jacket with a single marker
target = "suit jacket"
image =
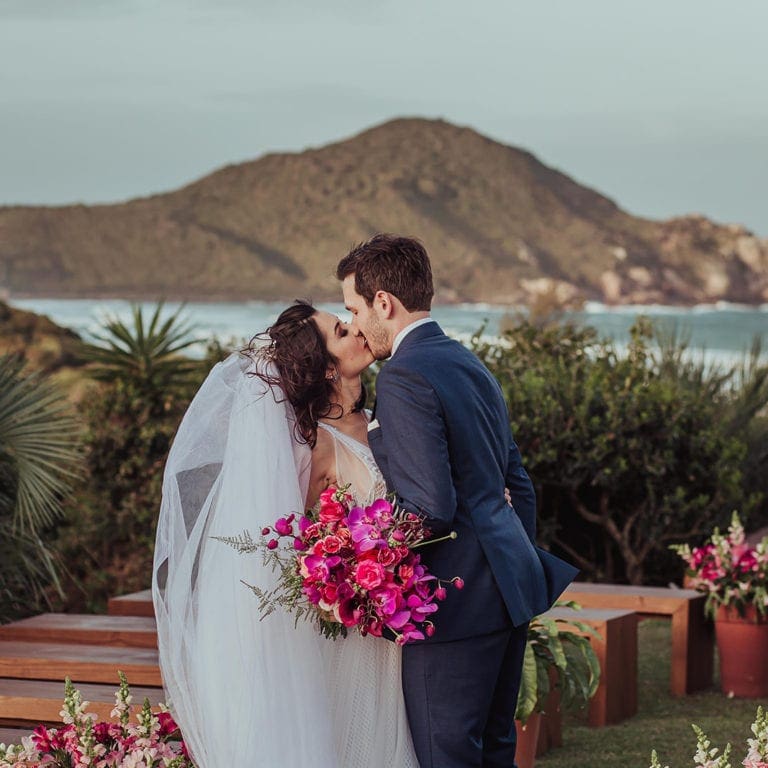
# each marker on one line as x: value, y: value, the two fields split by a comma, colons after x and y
x: 443, y: 442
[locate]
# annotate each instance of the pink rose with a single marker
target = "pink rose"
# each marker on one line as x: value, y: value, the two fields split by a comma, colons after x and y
x: 369, y: 574
x: 331, y: 512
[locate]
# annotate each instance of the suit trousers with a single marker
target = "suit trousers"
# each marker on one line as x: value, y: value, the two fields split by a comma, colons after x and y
x: 461, y: 698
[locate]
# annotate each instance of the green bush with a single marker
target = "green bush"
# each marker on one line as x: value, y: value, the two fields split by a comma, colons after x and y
x: 631, y: 450
x: 108, y: 536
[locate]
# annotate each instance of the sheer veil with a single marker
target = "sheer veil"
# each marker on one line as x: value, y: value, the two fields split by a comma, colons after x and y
x: 244, y: 691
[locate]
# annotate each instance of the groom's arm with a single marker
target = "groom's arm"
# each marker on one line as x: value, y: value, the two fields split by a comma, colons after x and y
x: 521, y: 490
x: 414, y: 436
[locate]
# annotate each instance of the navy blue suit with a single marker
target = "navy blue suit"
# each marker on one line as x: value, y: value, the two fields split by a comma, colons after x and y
x: 445, y: 448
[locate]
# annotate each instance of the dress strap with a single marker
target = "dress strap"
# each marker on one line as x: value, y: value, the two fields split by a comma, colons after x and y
x: 364, y: 455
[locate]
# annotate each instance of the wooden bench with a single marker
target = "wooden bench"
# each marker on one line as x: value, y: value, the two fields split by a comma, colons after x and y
x: 616, y: 650
x: 13, y: 735
x: 89, y: 629
x: 692, y: 636
x: 40, y: 701
x: 135, y: 604
x: 82, y: 663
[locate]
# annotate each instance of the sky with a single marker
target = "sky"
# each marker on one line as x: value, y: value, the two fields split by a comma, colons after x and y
x: 660, y: 105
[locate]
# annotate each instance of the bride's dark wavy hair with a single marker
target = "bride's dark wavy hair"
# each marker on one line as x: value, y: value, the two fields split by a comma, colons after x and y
x: 297, y: 349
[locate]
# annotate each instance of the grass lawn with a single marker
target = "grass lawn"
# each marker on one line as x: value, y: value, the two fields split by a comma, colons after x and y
x: 662, y: 723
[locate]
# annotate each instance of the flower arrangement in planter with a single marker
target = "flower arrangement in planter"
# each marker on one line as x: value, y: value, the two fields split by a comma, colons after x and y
x: 707, y: 756
x: 734, y: 577
x: 729, y: 571
x: 557, y: 661
x: 153, y: 741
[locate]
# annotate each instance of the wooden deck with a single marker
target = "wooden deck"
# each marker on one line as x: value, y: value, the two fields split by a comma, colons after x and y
x: 135, y: 604
x: 38, y: 653
x: 82, y: 663
x: 12, y: 735
x: 114, y: 631
x: 41, y: 701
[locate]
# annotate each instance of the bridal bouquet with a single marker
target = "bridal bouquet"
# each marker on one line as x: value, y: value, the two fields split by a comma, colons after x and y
x: 153, y: 741
x: 348, y: 566
x: 728, y: 570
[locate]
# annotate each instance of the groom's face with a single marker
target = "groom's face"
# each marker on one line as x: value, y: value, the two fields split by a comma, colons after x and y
x: 366, y: 320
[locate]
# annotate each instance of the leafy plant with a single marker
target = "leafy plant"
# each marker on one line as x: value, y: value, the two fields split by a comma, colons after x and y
x: 559, y: 656
x: 39, y: 458
x: 145, y: 354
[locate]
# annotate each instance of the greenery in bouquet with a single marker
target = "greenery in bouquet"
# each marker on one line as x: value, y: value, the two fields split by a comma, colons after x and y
x: 708, y: 756
x: 559, y: 657
x: 728, y: 570
x: 348, y: 566
x: 153, y: 741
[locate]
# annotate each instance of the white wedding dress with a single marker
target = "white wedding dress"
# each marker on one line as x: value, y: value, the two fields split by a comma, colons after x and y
x: 263, y: 693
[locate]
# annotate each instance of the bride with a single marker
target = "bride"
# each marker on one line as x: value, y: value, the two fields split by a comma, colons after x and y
x: 267, y: 432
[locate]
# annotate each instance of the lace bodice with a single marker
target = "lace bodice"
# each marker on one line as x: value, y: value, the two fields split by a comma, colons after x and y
x: 350, y: 454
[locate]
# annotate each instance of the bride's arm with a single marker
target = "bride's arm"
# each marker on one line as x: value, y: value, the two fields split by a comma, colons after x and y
x: 323, y: 471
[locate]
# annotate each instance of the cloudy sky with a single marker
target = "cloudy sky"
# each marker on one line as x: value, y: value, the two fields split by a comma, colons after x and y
x: 659, y: 104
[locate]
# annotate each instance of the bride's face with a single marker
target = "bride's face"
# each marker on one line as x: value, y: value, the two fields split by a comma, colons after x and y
x: 348, y: 348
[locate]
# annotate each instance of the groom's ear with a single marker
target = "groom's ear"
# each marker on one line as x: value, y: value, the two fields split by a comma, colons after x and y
x: 382, y: 302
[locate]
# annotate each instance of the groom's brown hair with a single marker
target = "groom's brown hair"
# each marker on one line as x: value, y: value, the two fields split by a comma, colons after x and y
x: 391, y: 263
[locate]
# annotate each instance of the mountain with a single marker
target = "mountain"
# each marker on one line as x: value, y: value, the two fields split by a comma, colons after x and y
x: 43, y: 345
x: 500, y: 226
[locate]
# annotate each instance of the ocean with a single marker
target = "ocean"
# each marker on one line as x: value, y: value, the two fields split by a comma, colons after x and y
x: 721, y: 333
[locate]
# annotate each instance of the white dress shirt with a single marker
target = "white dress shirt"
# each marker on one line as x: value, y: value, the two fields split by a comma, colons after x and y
x: 408, y: 328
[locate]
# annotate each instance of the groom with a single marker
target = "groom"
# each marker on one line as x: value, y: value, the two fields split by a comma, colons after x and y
x: 441, y: 438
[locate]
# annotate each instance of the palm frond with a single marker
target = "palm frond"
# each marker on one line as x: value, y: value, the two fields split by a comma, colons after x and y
x: 39, y: 447
x: 144, y: 353
x: 28, y: 570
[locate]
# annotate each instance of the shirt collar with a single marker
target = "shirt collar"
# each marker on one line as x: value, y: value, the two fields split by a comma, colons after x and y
x: 408, y: 328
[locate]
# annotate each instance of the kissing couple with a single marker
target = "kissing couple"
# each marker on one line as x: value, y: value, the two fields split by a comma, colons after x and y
x: 269, y: 430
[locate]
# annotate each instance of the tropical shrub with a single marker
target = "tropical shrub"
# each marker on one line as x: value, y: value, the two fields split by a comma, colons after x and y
x: 629, y: 450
